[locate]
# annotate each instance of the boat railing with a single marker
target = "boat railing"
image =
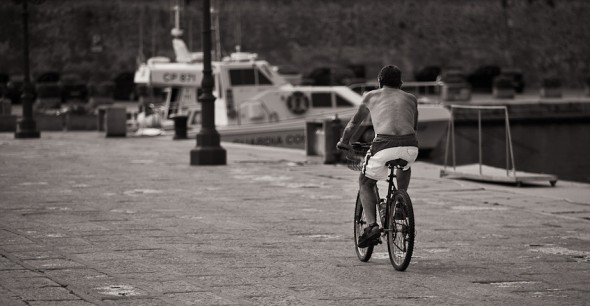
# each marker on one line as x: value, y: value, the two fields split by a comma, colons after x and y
x: 510, y: 166
x: 426, y: 92
x: 272, y: 117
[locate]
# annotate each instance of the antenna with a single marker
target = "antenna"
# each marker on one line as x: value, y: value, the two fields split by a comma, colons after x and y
x: 239, y: 28
x: 140, y: 56
x: 176, y: 10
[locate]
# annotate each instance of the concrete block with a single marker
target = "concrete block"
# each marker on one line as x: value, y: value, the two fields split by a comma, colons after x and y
x: 50, y: 103
x: 48, y: 122
x: 78, y: 122
x: 101, y: 112
x: 116, y: 122
x: 5, y: 107
x: 550, y: 92
x: 7, y: 123
x: 503, y: 93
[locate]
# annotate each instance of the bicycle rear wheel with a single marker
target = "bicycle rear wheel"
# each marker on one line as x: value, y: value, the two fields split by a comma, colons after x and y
x: 360, y: 222
x: 401, y: 230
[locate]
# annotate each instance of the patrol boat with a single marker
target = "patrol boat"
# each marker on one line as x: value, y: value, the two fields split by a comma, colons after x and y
x: 256, y: 105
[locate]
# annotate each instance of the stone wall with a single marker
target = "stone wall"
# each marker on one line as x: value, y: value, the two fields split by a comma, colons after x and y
x: 546, y: 36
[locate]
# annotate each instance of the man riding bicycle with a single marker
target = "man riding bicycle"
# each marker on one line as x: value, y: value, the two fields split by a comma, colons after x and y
x: 394, y: 114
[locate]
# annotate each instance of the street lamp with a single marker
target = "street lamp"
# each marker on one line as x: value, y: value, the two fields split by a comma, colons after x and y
x: 208, y: 150
x: 26, y: 126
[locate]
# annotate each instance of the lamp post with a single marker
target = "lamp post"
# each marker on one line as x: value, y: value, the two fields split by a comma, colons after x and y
x: 26, y: 126
x: 208, y: 150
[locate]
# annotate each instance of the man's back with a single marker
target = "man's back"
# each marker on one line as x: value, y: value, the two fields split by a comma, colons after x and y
x: 393, y: 111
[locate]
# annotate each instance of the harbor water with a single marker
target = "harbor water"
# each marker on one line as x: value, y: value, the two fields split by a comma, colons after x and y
x: 553, y: 147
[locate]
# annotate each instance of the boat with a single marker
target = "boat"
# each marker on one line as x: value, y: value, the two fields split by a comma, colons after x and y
x: 257, y: 105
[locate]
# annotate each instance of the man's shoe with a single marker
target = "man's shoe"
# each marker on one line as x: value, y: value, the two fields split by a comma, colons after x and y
x: 370, y: 236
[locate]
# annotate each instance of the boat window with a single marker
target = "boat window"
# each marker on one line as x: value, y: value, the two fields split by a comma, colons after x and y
x: 341, y: 102
x: 321, y: 99
x: 262, y: 79
x: 173, y: 102
x: 242, y: 77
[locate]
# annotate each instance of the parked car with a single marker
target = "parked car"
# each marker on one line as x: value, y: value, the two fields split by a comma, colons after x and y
x: 14, y: 88
x: 482, y: 78
x: 330, y: 76
x: 73, y: 87
x: 363, y: 87
x: 124, y: 89
x: 48, y: 77
x: 453, y: 75
x: 427, y: 74
x: 48, y: 91
x: 4, y: 78
x: 455, y: 86
x: 517, y: 78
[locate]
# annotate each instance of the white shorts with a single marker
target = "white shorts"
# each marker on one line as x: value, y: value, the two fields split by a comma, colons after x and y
x: 374, y: 165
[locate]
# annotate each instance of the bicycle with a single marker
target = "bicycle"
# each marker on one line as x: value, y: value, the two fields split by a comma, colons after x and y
x: 396, y: 214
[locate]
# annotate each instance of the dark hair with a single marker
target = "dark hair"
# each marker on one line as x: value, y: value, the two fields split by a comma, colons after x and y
x: 390, y: 76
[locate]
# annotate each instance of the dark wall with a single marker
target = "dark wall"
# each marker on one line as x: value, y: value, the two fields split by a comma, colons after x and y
x: 546, y: 36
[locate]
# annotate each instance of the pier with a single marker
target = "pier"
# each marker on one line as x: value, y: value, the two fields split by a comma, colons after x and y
x: 89, y: 220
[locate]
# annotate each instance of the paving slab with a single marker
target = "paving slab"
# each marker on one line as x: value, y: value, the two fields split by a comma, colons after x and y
x: 90, y: 220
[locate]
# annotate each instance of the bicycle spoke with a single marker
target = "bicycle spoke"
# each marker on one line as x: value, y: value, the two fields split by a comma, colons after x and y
x: 400, y: 239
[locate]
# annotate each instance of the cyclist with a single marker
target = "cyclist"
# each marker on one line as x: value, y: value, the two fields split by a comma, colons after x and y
x: 394, y: 114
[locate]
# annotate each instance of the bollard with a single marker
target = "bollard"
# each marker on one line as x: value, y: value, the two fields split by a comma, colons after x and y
x: 101, y: 113
x: 332, y: 132
x: 336, y: 133
x: 5, y: 106
x: 116, y: 122
x: 180, y: 127
x: 321, y: 138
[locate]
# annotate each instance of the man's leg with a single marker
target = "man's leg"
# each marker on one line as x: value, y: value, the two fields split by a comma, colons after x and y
x: 368, y: 197
x: 403, y: 179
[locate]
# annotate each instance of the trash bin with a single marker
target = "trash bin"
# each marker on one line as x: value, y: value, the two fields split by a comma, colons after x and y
x: 180, y: 127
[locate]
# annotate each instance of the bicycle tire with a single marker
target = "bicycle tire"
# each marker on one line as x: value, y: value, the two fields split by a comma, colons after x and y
x: 401, y: 235
x: 360, y: 222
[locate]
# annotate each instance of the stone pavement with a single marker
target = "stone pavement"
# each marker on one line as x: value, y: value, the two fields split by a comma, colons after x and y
x: 89, y: 220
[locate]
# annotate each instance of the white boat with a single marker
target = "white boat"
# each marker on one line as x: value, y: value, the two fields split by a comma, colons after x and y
x: 256, y: 105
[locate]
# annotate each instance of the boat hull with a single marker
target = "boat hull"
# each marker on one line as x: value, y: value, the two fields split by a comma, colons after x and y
x: 292, y: 134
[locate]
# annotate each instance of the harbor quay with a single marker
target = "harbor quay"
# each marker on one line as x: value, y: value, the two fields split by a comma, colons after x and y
x: 90, y: 220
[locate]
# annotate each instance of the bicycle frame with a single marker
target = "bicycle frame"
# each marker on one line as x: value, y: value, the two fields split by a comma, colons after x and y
x: 391, y: 189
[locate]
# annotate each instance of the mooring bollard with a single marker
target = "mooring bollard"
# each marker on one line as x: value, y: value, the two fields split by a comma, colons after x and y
x: 116, y: 122
x: 336, y: 133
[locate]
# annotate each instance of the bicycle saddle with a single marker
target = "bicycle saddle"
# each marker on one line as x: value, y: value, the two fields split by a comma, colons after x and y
x: 397, y: 163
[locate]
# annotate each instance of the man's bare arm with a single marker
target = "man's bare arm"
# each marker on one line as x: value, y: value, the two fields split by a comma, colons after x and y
x: 354, y: 123
x: 416, y: 120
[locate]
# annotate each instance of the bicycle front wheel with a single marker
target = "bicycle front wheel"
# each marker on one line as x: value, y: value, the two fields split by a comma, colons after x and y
x: 360, y: 222
x: 401, y: 230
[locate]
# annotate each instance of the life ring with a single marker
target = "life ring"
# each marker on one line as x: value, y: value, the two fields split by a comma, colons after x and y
x: 298, y: 103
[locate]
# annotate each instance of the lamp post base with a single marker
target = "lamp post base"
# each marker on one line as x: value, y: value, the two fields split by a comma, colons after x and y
x: 208, y: 156
x: 26, y: 129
